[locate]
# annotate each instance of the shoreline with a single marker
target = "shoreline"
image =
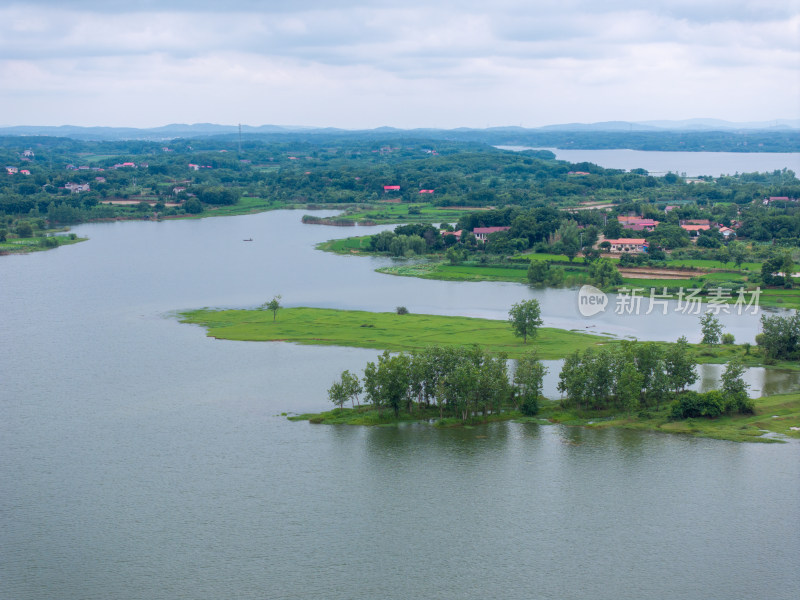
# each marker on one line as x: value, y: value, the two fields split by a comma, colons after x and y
x: 777, y: 415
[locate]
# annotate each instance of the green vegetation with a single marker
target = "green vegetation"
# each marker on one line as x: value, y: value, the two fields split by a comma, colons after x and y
x: 394, y: 332
x: 384, y: 331
x: 525, y: 319
x: 780, y: 337
x: 778, y: 414
x: 37, y: 240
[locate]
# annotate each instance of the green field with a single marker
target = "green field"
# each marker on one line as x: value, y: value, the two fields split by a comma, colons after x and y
x: 384, y: 331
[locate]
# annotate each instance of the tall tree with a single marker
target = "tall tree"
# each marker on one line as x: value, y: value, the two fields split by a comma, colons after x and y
x: 528, y: 377
x: 711, y: 329
x: 680, y: 366
x: 525, y: 319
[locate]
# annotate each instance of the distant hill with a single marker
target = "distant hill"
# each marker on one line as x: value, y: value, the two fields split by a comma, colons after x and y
x: 690, y: 135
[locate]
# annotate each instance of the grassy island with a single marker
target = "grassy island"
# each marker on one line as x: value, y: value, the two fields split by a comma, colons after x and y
x: 385, y: 331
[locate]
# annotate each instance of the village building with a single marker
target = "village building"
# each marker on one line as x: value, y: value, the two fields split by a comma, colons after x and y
x: 638, y: 223
x: 77, y: 187
x: 482, y: 233
x: 623, y: 245
x: 694, y: 229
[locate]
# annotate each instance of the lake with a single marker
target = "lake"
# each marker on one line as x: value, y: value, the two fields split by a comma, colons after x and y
x: 688, y: 164
x: 143, y: 460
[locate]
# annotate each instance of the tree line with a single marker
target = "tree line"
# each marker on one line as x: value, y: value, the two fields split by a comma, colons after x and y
x: 462, y: 381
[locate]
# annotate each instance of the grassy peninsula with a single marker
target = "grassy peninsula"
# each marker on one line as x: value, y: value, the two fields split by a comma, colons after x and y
x: 384, y: 331
x: 397, y: 333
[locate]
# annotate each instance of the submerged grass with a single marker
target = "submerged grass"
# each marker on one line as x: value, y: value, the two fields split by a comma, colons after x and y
x: 385, y: 331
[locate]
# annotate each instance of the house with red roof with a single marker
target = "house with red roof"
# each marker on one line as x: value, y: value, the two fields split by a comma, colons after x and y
x: 426, y: 191
x: 457, y: 234
x: 622, y: 245
x: 482, y: 233
x: 694, y: 229
x: 391, y: 188
x: 638, y: 223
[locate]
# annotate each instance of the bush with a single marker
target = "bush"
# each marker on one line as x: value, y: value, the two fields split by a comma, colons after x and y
x: 693, y: 404
x: 529, y: 405
x: 727, y: 338
x: 402, y: 310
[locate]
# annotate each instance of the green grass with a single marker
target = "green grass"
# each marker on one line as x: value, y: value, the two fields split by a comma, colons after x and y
x: 399, y: 213
x: 447, y: 272
x: 244, y: 206
x: 711, y: 264
x: 384, y: 331
x: 346, y: 245
x: 773, y: 414
x: 472, y: 272
x: 33, y: 244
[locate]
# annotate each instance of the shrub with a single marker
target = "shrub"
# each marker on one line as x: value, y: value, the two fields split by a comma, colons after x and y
x: 693, y: 404
x: 727, y: 338
x: 402, y: 310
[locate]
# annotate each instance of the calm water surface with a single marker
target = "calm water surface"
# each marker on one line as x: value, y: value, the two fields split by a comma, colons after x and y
x: 140, y: 459
x: 692, y: 164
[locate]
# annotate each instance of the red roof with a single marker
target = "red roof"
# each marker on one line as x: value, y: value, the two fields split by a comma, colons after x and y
x: 695, y: 227
x: 386, y: 188
x: 488, y: 230
x: 633, y: 241
x: 426, y: 191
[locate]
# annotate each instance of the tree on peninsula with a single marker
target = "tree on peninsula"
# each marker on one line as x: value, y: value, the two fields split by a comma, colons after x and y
x: 525, y: 319
x: 274, y: 305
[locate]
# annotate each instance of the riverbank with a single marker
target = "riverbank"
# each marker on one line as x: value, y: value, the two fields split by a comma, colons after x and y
x: 775, y: 418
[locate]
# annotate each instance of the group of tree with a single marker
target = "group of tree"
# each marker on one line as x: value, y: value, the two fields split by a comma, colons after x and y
x: 642, y: 375
x: 462, y: 381
x: 780, y: 336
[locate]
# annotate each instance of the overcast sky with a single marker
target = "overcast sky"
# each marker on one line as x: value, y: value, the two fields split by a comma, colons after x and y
x: 415, y: 63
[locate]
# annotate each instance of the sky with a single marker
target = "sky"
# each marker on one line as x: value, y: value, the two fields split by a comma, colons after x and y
x: 418, y: 63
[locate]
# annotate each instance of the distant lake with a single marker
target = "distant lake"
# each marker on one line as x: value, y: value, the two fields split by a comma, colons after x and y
x: 689, y: 164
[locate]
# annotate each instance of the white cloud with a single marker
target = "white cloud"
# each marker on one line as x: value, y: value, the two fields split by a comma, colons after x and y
x: 359, y: 63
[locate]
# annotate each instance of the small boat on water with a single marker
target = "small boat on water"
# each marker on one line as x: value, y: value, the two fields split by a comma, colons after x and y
x: 248, y: 240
